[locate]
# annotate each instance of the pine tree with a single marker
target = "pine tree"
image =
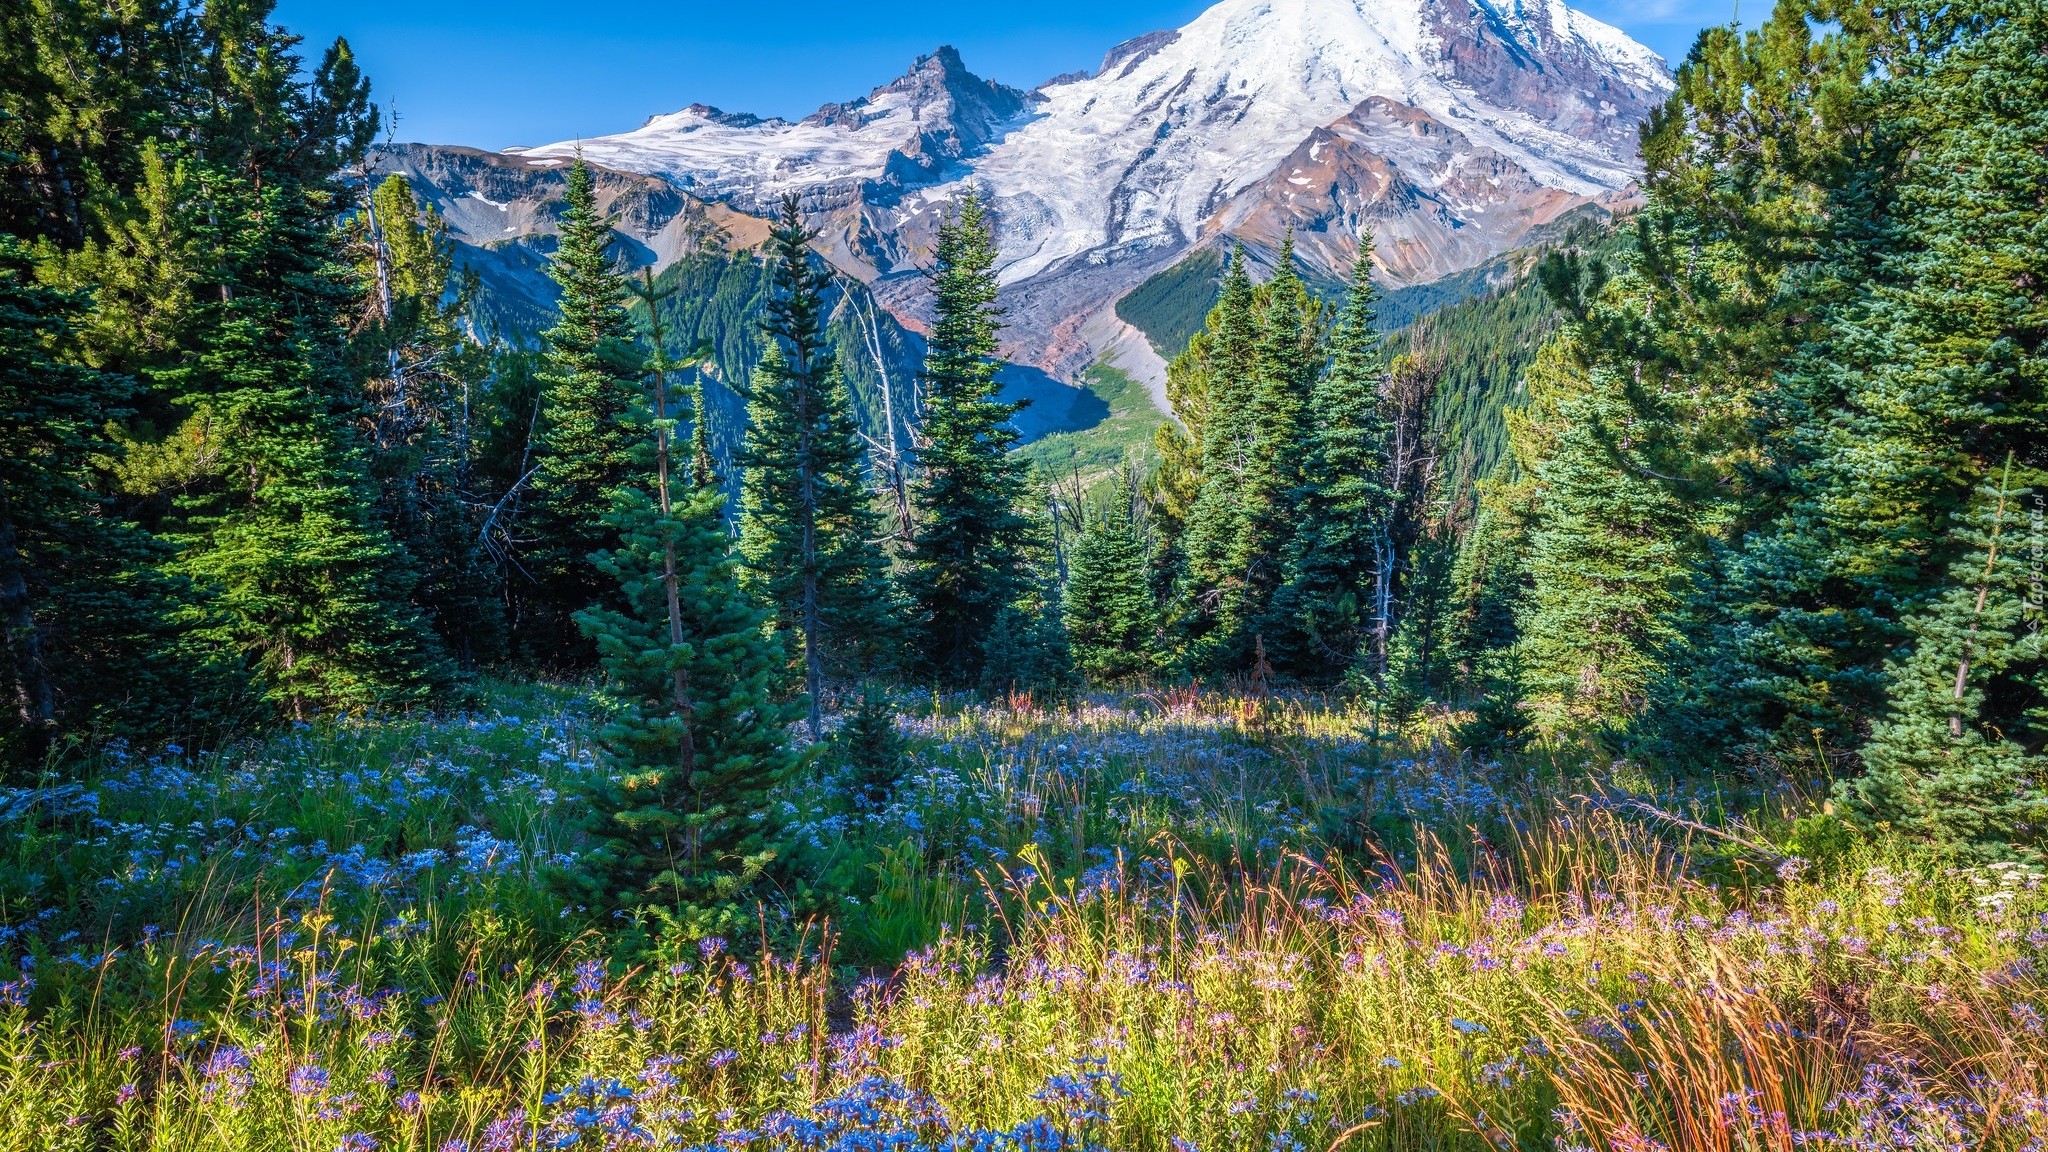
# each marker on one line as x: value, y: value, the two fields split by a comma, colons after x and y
x: 964, y: 563
x: 697, y: 744
x: 585, y: 439
x: 1946, y: 764
x: 93, y: 637
x: 870, y: 751
x: 1606, y: 557
x: 808, y: 533
x: 1216, y: 516
x: 1111, y: 619
x: 1342, y: 508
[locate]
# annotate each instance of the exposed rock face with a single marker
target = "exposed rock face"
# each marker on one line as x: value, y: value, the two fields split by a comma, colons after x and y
x: 503, y: 211
x: 902, y: 135
x: 1434, y: 203
x: 1451, y: 127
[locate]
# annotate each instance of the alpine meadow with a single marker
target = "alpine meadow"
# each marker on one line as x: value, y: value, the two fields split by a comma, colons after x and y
x: 1364, y: 576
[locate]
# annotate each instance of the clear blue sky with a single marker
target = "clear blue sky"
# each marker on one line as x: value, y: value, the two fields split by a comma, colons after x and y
x: 493, y: 73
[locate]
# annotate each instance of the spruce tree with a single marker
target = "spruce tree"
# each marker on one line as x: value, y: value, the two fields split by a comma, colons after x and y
x: 1286, y: 362
x: 586, y: 441
x: 93, y: 636
x: 1827, y: 331
x: 1343, y: 506
x: 807, y: 532
x: 1111, y: 619
x: 185, y: 186
x: 1606, y: 563
x: 698, y: 741
x: 1216, y: 517
x: 870, y: 751
x: 964, y: 562
x: 252, y: 461
x: 1175, y: 486
x: 1946, y: 764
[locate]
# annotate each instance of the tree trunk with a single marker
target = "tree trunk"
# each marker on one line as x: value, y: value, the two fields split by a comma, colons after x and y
x: 35, y: 700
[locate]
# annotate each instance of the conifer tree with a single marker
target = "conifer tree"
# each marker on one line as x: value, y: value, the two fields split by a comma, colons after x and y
x: 807, y: 533
x: 964, y: 562
x: 1606, y: 558
x: 1175, y: 487
x: 1111, y: 619
x: 585, y: 439
x: 1286, y: 362
x: 1342, y: 508
x: 870, y: 751
x: 698, y: 741
x: 1211, y: 589
x: 263, y: 479
x: 92, y: 634
x: 1942, y: 765
x: 1264, y: 362
x: 1819, y: 346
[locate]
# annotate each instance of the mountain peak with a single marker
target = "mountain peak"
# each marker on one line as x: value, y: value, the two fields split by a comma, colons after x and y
x: 1134, y: 51
x: 1487, y: 117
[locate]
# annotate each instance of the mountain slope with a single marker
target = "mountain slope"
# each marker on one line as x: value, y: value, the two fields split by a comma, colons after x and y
x: 1456, y: 130
x: 1454, y: 126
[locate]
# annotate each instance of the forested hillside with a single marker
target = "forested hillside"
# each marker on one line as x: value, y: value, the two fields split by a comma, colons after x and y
x: 1733, y: 492
x: 720, y: 299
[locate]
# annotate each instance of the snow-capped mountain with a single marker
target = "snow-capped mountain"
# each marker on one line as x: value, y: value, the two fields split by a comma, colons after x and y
x: 1450, y: 127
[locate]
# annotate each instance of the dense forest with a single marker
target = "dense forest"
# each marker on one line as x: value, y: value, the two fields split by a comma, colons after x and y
x: 1594, y: 704
x: 1745, y: 479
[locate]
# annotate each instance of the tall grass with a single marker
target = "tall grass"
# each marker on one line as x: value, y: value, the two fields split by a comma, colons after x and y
x: 1149, y: 923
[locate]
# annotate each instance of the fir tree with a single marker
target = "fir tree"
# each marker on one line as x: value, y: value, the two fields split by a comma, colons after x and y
x: 1263, y: 365
x: 964, y: 563
x: 187, y: 184
x: 1606, y: 561
x: 263, y: 481
x: 1819, y: 347
x: 1342, y: 509
x: 1216, y: 516
x: 870, y: 751
x: 92, y: 635
x: 1943, y: 765
x: 1286, y: 362
x: 585, y: 439
x: 807, y: 533
x: 697, y: 744
x: 1108, y: 606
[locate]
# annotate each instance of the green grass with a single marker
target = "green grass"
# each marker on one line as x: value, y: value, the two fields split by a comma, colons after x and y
x: 1098, y: 450
x: 1147, y: 922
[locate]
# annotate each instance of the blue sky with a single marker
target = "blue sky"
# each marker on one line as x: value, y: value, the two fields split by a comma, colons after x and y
x: 494, y: 73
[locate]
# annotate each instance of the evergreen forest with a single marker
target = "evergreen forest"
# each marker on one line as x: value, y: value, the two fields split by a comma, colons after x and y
x: 1596, y: 705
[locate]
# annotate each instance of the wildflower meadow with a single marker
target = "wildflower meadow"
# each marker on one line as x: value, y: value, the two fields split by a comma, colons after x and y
x: 1157, y: 922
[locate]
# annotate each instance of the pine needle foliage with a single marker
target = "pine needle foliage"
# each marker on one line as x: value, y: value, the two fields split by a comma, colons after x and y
x: 808, y: 532
x: 586, y: 439
x: 964, y: 567
x: 697, y: 741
